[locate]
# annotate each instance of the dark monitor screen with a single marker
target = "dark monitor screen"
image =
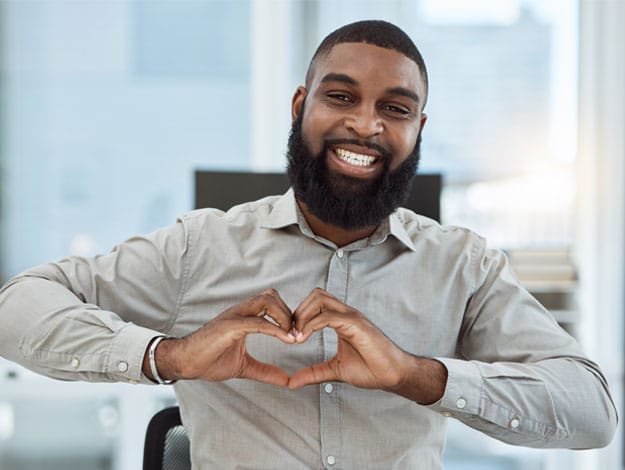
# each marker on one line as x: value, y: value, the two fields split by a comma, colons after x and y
x: 222, y: 190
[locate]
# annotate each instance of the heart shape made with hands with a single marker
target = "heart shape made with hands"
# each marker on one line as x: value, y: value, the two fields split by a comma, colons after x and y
x: 365, y: 357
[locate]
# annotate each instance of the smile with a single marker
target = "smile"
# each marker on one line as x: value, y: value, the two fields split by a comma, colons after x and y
x: 355, y: 159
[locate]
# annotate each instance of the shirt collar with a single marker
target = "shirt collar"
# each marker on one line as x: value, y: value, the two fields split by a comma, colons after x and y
x: 285, y: 212
x: 398, y: 230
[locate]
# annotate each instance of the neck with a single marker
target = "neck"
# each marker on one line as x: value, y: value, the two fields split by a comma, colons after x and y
x: 337, y: 235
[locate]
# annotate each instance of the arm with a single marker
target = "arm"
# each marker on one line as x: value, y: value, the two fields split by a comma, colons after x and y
x: 92, y: 319
x: 554, y: 403
x: 518, y: 375
x: 548, y: 396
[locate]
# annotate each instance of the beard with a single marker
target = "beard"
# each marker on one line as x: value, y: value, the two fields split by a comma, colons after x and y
x: 344, y: 201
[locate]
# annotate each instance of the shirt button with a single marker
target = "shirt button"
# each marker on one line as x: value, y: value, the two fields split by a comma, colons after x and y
x: 75, y: 362
x: 331, y: 460
x: 328, y: 388
x: 447, y: 414
x: 339, y: 253
x: 461, y: 403
x: 122, y: 366
x: 514, y: 423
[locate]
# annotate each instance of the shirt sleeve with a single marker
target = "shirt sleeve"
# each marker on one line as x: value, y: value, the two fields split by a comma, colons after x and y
x: 93, y: 318
x: 518, y: 376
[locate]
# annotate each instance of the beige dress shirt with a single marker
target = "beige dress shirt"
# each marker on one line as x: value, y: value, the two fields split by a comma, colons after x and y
x: 436, y: 291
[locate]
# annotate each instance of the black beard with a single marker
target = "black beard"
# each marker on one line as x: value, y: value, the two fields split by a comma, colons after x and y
x: 344, y: 201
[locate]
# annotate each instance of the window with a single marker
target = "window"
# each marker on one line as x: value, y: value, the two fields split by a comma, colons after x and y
x: 108, y: 108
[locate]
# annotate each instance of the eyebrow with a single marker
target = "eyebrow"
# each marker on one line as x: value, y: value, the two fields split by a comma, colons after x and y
x: 339, y: 77
x: 343, y: 78
x: 404, y: 92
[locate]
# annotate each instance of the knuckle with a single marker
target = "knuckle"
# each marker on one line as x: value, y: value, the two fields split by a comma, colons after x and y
x: 271, y: 292
x: 266, y: 298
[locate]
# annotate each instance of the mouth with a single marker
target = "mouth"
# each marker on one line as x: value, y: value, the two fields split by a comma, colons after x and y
x: 356, y: 159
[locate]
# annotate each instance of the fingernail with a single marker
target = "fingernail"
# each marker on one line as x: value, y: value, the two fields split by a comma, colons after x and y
x: 299, y: 335
x: 291, y: 336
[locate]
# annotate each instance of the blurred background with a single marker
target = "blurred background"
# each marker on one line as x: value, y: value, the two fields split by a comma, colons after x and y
x: 107, y: 107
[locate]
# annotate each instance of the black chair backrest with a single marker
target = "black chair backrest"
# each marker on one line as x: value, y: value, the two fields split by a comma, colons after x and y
x: 166, y: 442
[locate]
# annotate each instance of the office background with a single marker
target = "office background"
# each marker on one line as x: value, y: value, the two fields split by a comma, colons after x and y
x: 108, y: 107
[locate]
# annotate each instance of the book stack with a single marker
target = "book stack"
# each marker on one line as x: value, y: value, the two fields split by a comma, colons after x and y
x: 551, y: 277
x: 543, y: 266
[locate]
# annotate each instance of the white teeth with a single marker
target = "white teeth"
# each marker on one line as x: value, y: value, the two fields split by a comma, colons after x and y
x: 355, y: 158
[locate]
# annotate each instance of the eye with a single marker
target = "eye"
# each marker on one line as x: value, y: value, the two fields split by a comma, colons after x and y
x: 396, y: 110
x: 340, y: 97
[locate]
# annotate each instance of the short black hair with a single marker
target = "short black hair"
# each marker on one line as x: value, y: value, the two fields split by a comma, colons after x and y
x: 377, y: 33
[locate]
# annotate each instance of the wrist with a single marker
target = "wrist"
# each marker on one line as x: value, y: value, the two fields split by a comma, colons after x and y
x: 158, y: 361
x: 424, y: 380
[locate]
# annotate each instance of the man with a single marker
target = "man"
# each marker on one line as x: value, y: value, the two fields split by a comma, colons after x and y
x: 321, y: 328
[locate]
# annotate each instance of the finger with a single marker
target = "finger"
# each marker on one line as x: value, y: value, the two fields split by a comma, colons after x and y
x: 330, y: 306
x: 252, y: 325
x: 282, y: 318
x: 346, y: 326
x: 315, y: 295
x: 315, y: 374
x: 315, y: 303
x: 262, y: 372
x: 270, y: 304
x: 282, y: 303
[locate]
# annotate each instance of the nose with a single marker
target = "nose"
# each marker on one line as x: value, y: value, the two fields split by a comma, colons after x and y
x: 364, y: 121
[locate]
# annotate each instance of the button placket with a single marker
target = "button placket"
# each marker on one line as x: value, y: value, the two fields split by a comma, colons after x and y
x: 329, y: 401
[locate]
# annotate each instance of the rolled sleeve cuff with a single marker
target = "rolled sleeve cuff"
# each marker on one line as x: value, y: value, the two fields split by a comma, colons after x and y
x: 463, y: 390
x: 125, y: 361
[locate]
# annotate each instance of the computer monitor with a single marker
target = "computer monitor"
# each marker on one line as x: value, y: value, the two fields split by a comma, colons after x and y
x: 222, y: 190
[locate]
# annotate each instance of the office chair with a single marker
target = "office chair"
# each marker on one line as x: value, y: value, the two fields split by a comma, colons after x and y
x: 166, y: 442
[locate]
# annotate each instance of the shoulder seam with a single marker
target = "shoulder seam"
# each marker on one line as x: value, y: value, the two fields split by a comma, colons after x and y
x: 186, y: 269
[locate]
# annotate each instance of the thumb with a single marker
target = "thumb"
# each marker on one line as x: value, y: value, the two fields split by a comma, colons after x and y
x: 262, y: 372
x: 315, y: 374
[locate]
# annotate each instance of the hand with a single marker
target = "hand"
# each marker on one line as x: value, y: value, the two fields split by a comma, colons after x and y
x: 365, y: 357
x: 217, y: 351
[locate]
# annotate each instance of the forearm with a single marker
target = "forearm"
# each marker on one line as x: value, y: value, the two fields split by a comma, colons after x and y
x: 92, y: 318
x: 46, y: 328
x: 557, y: 403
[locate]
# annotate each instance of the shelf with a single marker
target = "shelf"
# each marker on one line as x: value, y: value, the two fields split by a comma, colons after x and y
x: 550, y: 286
x: 565, y: 316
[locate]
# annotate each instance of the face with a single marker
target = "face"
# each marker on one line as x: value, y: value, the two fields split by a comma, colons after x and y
x: 354, y: 146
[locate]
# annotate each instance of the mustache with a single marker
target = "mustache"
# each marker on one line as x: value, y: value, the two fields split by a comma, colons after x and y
x: 383, y: 151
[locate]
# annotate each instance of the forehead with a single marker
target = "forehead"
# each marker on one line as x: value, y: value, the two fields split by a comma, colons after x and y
x: 370, y: 66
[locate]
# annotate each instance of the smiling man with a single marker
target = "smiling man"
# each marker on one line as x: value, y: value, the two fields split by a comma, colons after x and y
x: 353, y: 166
x: 327, y: 327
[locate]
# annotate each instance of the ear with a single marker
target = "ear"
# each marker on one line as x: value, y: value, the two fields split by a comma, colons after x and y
x: 424, y: 117
x: 298, y: 101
